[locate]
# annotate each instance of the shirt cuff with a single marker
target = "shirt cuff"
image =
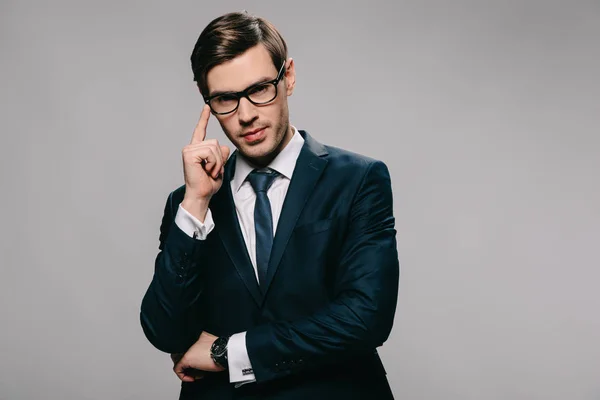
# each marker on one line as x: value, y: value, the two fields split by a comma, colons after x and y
x: 192, y: 226
x: 240, y: 368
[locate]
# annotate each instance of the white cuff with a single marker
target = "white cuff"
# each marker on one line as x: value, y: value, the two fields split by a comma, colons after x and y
x: 240, y: 368
x: 192, y: 226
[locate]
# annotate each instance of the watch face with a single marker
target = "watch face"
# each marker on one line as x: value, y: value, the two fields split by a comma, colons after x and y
x: 219, y: 347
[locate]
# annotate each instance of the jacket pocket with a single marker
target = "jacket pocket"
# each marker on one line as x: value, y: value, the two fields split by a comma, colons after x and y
x: 314, y: 227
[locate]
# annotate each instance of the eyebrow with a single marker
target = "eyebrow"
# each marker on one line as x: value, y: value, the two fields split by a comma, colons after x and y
x: 258, y: 82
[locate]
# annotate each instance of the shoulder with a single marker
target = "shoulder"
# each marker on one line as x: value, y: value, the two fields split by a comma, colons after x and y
x: 175, y: 198
x: 344, y: 162
x: 338, y: 157
x: 345, y: 157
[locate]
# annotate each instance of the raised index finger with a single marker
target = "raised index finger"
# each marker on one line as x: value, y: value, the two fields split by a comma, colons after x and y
x: 200, y: 131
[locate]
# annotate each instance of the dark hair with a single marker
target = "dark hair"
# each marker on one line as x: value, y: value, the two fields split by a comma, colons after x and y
x: 229, y: 36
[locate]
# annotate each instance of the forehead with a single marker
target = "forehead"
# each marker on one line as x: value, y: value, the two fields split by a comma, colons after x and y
x: 253, y: 66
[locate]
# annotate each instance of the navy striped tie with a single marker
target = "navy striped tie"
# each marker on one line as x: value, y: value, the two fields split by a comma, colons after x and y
x: 263, y: 219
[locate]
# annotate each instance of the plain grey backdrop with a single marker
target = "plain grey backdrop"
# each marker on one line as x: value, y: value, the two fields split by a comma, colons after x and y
x: 487, y: 114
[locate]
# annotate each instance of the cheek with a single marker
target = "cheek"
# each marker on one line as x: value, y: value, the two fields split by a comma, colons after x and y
x: 278, y: 114
x: 229, y: 125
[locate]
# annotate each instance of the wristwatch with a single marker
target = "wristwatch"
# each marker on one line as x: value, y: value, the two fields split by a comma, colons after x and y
x: 218, y: 351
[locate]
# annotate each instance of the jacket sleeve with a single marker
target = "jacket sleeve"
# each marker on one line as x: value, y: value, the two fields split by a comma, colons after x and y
x: 169, y: 313
x: 360, y: 316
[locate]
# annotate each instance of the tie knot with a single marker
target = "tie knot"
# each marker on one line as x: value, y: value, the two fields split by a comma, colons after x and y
x: 261, y: 181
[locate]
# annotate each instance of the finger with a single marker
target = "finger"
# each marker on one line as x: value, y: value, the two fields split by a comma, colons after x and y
x: 188, y: 378
x: 189, y: 374
x: 182, y: 370
x: 224, y: 158
x: 213, y: 163
x: 219, y: 165
x: 216, y: 169
x: 208, y: 155
x: 203, y: 155
x: 200, y: 130
x: 179, y: 371
x: 225, y: 152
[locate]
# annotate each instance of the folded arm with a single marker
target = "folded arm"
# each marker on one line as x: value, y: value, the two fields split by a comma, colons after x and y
x: 169, y: 316
x: 360, y: 317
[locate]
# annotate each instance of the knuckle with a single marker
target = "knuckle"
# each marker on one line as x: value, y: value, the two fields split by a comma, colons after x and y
x: 188, y: 148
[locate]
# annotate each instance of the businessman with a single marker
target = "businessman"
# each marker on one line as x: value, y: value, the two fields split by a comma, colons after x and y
x: 277, y: 271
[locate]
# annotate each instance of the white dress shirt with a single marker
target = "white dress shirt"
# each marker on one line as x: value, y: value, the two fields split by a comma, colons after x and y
x: 244, y: 198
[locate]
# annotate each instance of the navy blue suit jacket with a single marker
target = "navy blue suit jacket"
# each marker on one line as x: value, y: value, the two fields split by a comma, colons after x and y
x: 331, y: 290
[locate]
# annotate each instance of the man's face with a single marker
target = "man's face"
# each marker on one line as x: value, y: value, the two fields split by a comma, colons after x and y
x: 259, y: 132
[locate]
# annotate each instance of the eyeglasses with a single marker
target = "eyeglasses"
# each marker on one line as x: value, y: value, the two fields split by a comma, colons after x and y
x: 261, y: 93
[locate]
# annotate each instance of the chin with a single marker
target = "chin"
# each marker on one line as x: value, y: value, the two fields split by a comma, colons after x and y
x: 258, y: 150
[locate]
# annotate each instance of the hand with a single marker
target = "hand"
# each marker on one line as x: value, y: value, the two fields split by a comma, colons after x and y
x: 197, y: 359
x: 203, y: 168
x: 190, y: 373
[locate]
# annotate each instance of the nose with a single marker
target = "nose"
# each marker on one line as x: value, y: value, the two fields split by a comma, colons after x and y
x: 246, y: 112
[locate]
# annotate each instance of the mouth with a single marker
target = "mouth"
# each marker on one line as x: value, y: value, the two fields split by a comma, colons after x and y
x: 254, y: 135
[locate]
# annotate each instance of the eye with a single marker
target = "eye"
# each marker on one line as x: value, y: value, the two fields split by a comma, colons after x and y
x: 225, y: 98
x: 258, y: 89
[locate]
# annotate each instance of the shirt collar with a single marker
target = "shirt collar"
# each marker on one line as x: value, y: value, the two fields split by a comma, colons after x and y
x: 284, y: 162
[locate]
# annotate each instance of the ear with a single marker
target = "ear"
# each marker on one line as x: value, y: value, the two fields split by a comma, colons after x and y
x: 290, y: 77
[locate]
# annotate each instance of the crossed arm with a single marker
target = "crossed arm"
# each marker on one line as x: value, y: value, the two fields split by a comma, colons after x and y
x: 358, y: 319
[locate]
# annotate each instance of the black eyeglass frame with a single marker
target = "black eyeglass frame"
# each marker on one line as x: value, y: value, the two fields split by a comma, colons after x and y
x: 244, y: 93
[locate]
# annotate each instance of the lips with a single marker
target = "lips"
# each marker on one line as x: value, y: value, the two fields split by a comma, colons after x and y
x: 254, y: 134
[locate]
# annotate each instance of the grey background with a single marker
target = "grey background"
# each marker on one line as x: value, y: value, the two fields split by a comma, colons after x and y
x: 487, y: 113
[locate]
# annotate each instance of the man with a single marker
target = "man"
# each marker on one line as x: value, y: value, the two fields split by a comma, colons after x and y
x: 277, y: 275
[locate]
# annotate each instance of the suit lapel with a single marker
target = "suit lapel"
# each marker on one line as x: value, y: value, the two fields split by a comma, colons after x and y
x: 225, y: 216
x: 308, y: 170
